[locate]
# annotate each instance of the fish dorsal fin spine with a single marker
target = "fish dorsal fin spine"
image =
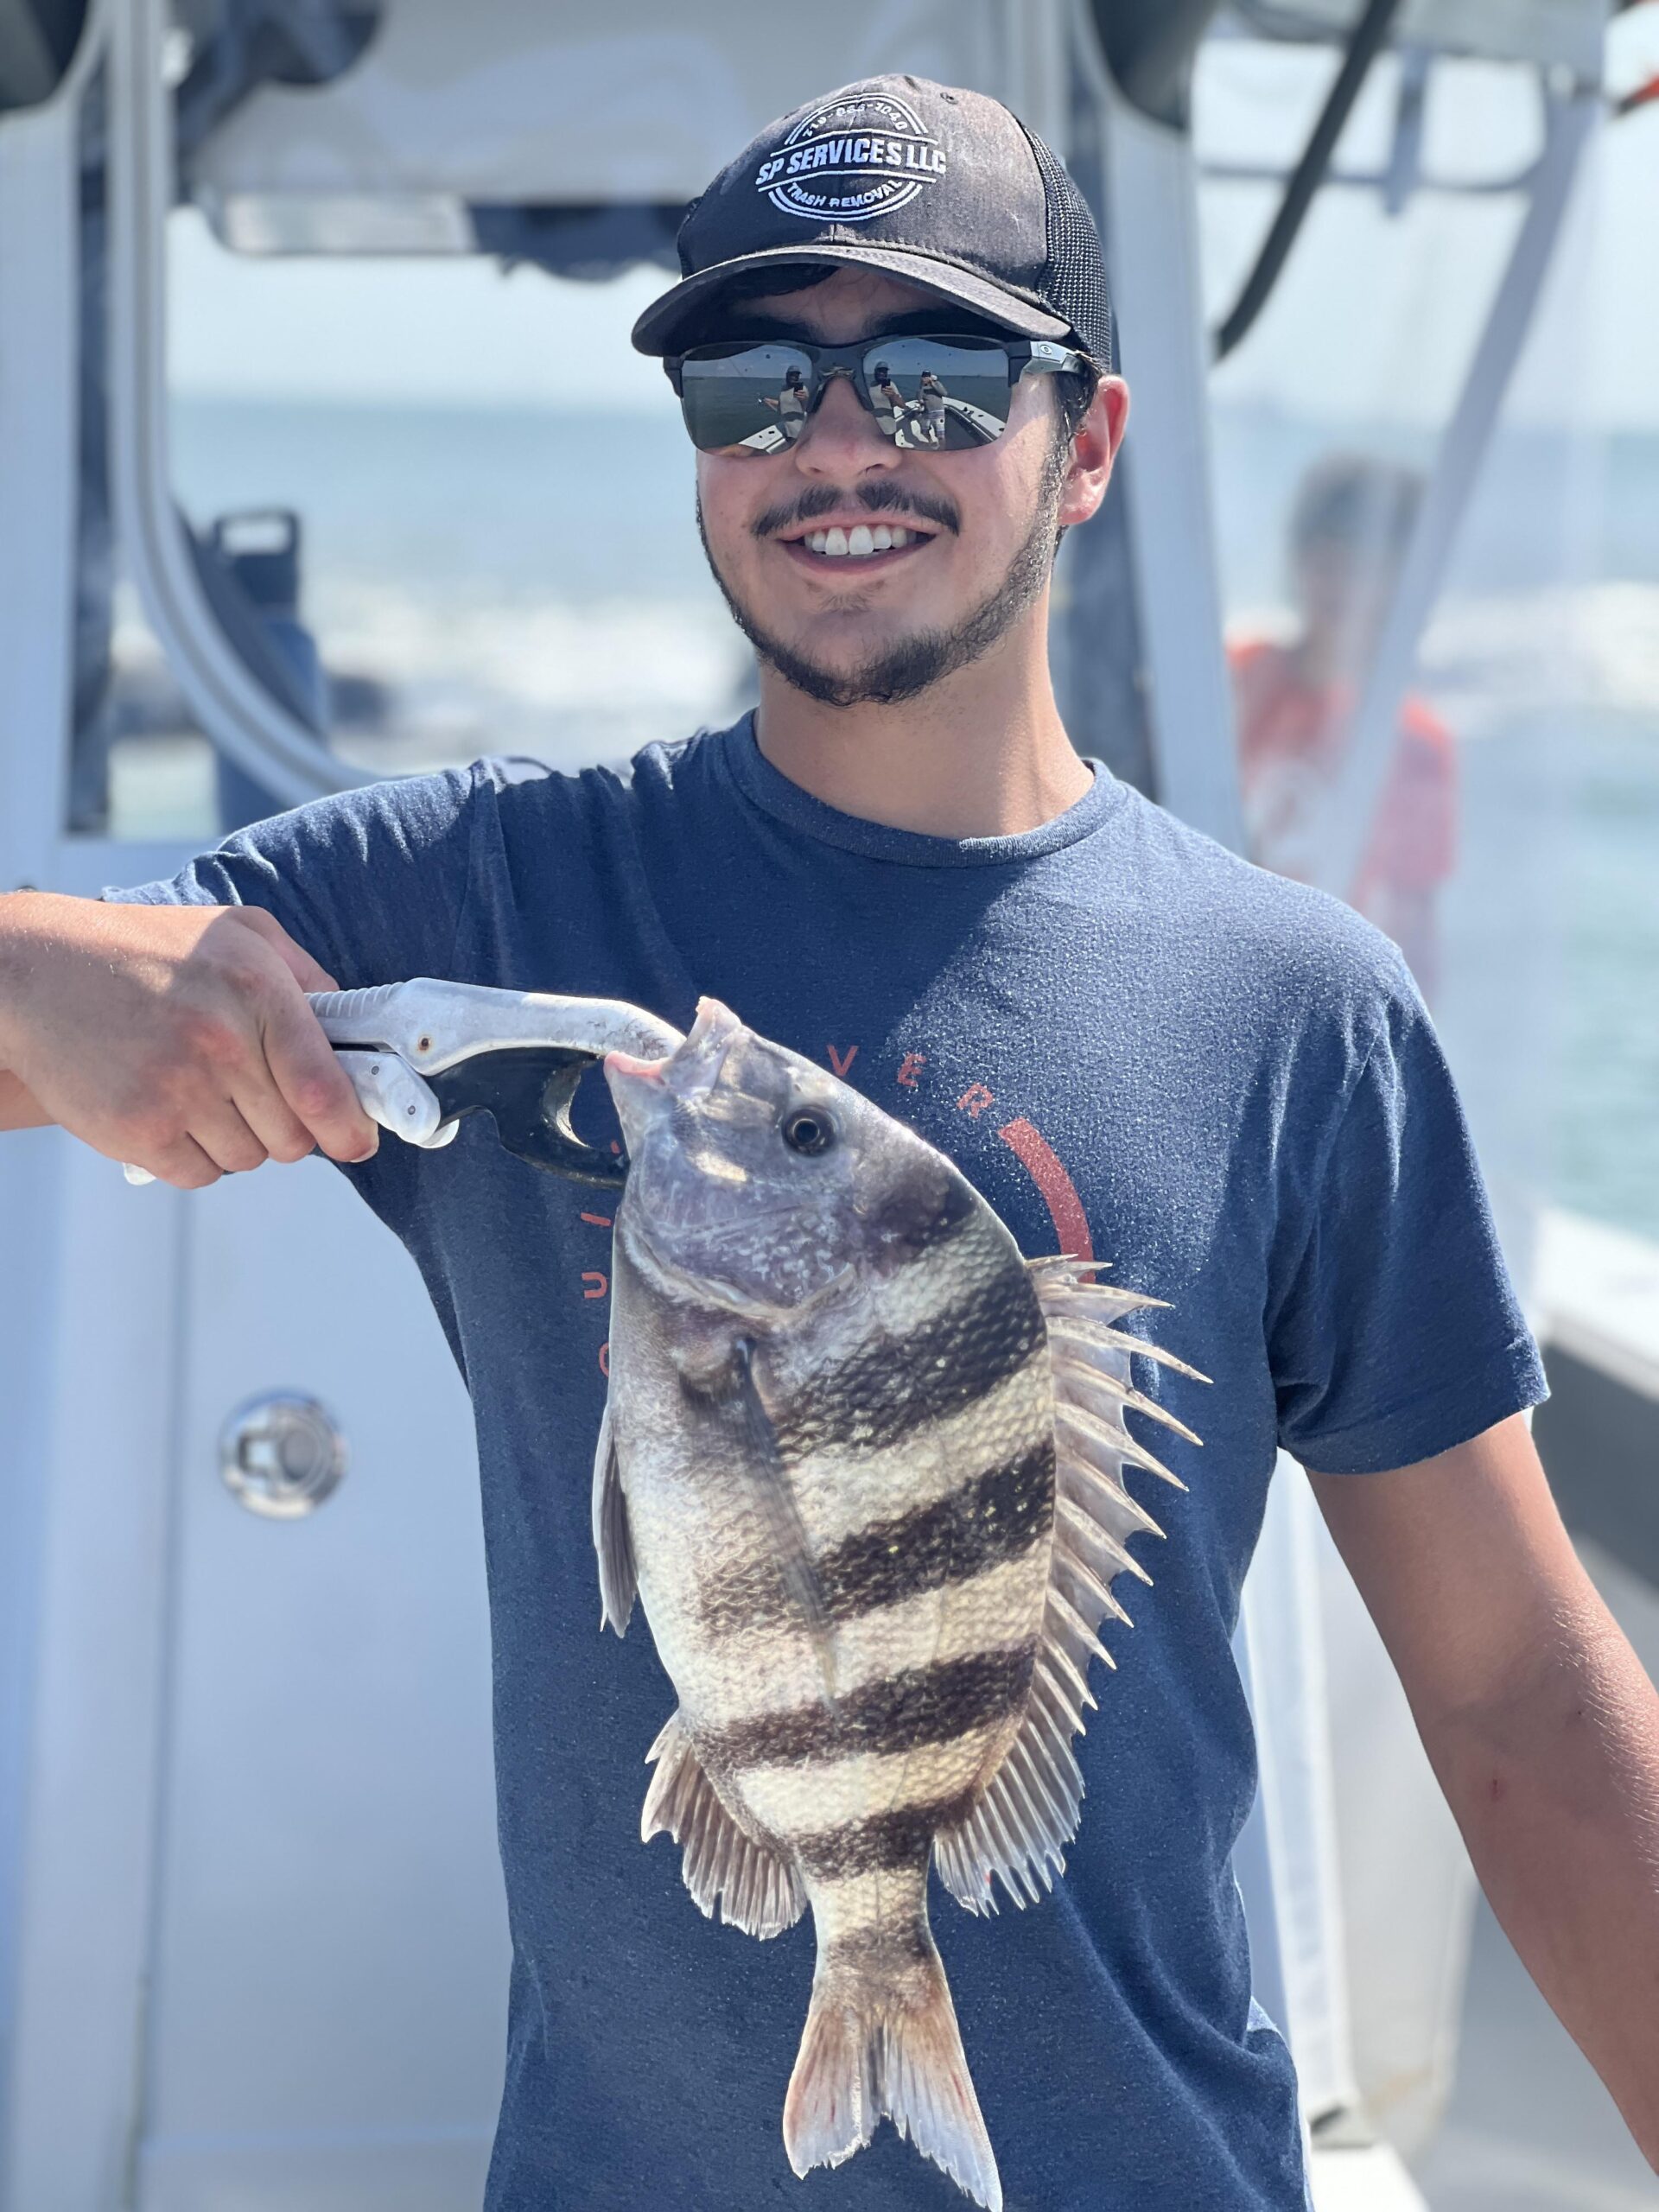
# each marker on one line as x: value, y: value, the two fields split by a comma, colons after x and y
x: 1028, y: 1812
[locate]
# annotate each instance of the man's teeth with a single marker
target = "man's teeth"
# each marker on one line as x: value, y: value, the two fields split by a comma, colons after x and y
x: 860, y: 540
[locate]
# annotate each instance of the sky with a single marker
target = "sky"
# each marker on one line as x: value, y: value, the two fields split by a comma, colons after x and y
x: 1374, y: 316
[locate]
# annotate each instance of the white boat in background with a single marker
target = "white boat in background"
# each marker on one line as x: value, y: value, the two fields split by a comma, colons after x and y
x: 252, y: 1947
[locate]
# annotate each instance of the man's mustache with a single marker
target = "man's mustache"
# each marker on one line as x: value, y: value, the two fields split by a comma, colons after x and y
x: 885, y: 498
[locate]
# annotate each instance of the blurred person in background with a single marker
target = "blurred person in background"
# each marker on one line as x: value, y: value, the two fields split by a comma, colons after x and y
x: 1294, y: 701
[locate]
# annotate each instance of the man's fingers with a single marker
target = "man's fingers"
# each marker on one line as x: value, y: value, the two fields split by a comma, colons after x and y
x: 180, y: 1162
x: 312, y: 1084
x: 306, y: 972
x: 281, y: 1131
x: 222, y: 1134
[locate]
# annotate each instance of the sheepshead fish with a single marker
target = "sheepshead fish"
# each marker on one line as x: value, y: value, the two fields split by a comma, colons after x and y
x: 864, y: 1465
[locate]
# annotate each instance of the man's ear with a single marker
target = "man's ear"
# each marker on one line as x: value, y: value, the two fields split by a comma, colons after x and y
x: 1094, y: 448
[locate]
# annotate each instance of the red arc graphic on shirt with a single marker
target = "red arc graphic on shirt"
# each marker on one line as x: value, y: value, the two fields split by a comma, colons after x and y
x: 1060, y: 1193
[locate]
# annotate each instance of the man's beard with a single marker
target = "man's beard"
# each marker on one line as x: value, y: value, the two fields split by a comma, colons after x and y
x: 912, y: 664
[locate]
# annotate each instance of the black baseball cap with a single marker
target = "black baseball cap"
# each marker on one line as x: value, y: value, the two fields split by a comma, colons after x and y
x: 941, y: 186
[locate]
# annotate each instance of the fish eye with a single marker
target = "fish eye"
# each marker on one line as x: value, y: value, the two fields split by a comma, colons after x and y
x: 809, y: 1129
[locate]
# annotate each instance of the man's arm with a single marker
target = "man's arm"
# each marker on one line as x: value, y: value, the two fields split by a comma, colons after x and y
x: 1540, y: 1725
x: 19, y: 1108
x: 178, y: 1038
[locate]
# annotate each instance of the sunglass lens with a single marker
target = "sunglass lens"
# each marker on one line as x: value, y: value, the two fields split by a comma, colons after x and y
x: 754, y: 396
x: 937, y: 395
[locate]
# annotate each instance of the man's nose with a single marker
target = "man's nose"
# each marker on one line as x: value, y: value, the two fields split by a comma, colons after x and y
x: 841, y: 434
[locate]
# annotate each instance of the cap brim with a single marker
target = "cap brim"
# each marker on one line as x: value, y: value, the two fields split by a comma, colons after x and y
x: 666, y: 323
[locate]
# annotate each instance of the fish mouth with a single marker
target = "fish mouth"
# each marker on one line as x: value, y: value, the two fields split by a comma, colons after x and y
x: 695, y: 1065
x: 644, y: 1090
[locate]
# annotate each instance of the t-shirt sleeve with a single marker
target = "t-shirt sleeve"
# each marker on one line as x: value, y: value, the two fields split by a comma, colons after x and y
x: 1397, y: 1333
x: 372, y: 883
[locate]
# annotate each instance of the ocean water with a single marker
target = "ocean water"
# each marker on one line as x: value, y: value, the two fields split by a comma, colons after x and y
x: 509, y: 581
x: 1542, y: 657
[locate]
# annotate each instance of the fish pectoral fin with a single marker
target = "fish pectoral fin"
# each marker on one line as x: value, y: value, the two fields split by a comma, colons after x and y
x: 755, y: 1887
x: 613, y: 1539
x: 780, y: 1514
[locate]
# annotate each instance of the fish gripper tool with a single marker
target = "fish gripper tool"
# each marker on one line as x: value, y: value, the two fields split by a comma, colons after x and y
x: 421, y: 1055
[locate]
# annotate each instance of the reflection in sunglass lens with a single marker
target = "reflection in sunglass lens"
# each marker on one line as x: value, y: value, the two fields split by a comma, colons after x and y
x: 755, y: 396
x: 938, y: 396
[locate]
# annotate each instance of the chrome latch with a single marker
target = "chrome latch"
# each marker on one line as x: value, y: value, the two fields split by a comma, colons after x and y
x: 281, y: 1455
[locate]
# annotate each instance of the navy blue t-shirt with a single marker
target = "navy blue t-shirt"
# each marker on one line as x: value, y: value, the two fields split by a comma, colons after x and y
x: 1221, y: 1084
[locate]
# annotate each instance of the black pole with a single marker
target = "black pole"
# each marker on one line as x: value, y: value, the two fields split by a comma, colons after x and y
x: 1369, y: 35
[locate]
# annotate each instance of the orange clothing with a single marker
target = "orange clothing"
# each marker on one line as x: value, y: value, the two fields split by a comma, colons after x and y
x: 1290, y: 737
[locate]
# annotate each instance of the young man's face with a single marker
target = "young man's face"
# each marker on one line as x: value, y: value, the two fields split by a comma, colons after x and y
x: 847, y: 628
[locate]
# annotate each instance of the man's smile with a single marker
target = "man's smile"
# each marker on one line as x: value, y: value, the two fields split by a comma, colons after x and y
x: 860, y: 542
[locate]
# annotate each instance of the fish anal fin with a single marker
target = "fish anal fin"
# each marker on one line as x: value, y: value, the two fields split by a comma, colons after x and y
x: 730, y: 1875
x: 613, y: 1539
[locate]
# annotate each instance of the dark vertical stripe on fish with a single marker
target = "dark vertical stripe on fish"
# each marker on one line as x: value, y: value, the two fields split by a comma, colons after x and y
x: 891, y: 1386
x: 925, y: 1211
x: 901, y: 1837
x: 921, y: 1705
x: 992, y: 1517
x: 995, y: 1516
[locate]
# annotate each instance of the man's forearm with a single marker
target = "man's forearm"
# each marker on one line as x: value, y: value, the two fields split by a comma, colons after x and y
x: 178, y: 1037
x: 19, y: 1108
x: 1557, y: 1792
x: 1542, y: 1725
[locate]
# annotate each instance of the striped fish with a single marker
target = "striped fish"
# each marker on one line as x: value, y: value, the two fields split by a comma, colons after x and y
x: 864, y: 1468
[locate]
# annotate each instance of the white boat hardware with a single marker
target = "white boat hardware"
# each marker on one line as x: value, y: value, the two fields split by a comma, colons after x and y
x: 282, y: 1455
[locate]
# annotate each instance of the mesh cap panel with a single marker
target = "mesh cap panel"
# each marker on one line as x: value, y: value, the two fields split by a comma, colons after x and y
x: 1076, y: 285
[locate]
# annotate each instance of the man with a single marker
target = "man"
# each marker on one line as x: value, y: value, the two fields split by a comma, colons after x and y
x: 790, y: 405
x: 900, y: 867
x: 890, y: 402
x: 932, y: 395
x: 1349, y: 531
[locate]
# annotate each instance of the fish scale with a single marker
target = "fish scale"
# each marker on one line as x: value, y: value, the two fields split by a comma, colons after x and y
x: 866, y: 1470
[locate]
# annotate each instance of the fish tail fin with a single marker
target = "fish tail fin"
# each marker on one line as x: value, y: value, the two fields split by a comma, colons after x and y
x: 877, y: 2042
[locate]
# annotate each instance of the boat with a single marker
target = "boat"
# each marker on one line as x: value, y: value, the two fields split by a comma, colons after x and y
x: 252, y: 1942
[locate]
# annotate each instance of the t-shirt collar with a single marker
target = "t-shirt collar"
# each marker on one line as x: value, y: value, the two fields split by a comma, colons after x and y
x: 768, y: 788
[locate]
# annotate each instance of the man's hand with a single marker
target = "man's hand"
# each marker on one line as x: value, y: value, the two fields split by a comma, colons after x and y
x: 177, y: 1038
x: 1540, y: 1723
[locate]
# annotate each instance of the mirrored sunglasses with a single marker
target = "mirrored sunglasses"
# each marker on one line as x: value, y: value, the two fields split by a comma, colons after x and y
x: 927, y: 394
